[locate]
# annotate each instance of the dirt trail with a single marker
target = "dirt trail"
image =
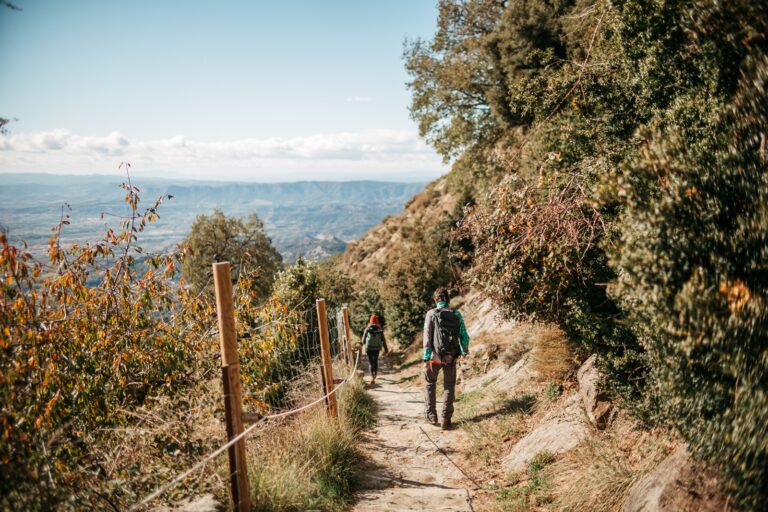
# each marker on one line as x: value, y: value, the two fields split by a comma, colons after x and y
x: 406, y: 471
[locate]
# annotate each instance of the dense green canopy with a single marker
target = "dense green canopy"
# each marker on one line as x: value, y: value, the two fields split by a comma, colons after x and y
x: 617, y: 154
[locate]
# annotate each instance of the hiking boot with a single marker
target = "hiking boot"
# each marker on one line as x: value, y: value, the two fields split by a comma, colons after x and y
x: 447, y: 425
x: 432, y: 419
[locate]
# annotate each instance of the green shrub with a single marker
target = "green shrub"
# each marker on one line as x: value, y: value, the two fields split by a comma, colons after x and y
x: 552, y: 391
x: 539, y: 461
x: 298, y: 285
x: 334, y: 286
x: 406, y: 290
x: 693, y: 260
x: 365, y: 302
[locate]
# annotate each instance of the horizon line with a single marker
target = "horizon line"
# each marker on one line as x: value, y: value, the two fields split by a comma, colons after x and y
x: 144, y: 176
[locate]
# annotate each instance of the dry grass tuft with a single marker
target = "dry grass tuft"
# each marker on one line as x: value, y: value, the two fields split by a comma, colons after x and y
x: 310, y: 462
x: 599, y: 474
x: 491, y: 426
x: 552, y: 355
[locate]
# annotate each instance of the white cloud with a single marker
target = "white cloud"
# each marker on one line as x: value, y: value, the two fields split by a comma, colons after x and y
x: 379, y: 154
x: 358, y: 99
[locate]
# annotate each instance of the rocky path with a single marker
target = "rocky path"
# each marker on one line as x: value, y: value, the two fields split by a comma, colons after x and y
x: 405, y: 469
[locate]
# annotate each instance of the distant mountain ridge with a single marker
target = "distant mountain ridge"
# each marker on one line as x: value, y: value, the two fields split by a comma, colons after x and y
x: 331, y: 212
x: 296, y: 191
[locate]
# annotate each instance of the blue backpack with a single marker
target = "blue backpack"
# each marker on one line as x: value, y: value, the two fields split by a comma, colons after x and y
x: 374, y: 338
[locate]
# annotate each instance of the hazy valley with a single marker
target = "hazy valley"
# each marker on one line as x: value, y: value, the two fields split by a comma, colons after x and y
x: 313, y: 218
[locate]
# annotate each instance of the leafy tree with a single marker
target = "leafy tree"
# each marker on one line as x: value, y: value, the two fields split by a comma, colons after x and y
x: 366, y: 302
x: 450, y: 74
x: 335, y: 287
x: 241, y: 241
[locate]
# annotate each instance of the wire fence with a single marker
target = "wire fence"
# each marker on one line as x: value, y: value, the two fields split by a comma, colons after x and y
x: 287, y: 354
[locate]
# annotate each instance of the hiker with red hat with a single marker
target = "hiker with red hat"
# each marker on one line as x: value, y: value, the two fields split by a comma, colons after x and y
x: 373, y: 341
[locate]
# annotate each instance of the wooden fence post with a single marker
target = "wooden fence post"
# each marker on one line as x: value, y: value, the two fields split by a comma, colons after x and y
x: 325, y: 351
x: 222, y: 279
x: 348, y: 334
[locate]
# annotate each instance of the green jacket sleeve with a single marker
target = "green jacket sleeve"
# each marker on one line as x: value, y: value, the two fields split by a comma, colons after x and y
x: 463, y: 334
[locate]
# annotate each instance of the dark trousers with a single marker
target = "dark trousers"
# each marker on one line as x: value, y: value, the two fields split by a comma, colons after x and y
x: 373, y: 361
x: 449, y: 387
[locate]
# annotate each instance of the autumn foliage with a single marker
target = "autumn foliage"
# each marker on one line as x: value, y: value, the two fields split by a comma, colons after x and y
x: 97, y: 340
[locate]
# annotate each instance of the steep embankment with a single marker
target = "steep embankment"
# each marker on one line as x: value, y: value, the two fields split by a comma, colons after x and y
x: 382, y: 243
x: 534, y: 432
x: 535, y: 429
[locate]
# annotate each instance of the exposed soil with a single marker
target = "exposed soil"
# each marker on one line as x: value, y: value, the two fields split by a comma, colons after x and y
x: 409, y: 462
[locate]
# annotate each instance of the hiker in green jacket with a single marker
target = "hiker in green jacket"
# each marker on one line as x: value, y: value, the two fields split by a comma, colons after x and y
x: 373, y: 341
x: 445, y: 341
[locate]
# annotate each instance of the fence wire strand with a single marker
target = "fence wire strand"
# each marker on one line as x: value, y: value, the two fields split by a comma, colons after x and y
x: 289, y: 379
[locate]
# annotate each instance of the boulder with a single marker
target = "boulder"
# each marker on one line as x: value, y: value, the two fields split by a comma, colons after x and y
x: 646, y: 495
x: 560, y: 432
x: 675, y: 485
x: 485, y: 319
x: 596, y: 404
x: 503, y: 378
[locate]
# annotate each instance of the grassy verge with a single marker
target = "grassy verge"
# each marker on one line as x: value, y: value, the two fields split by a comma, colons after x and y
x: 489, y: 426
x: 529, y: 490
x: 311, y: 463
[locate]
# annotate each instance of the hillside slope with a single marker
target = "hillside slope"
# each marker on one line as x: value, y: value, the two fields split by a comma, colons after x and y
x: 529, y: 436
x: 535, y: 429
x: 382, y: 244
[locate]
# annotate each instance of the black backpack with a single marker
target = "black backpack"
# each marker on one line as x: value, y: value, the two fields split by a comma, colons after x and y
x: 446, y: 337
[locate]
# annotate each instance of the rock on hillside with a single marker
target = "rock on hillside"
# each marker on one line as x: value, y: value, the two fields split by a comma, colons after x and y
x: 676, y: 485
x: 560, y: 431
x: 596, y: 403
x: 382, y: 244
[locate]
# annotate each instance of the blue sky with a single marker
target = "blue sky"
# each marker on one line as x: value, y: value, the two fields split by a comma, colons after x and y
x: 235, y: 90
